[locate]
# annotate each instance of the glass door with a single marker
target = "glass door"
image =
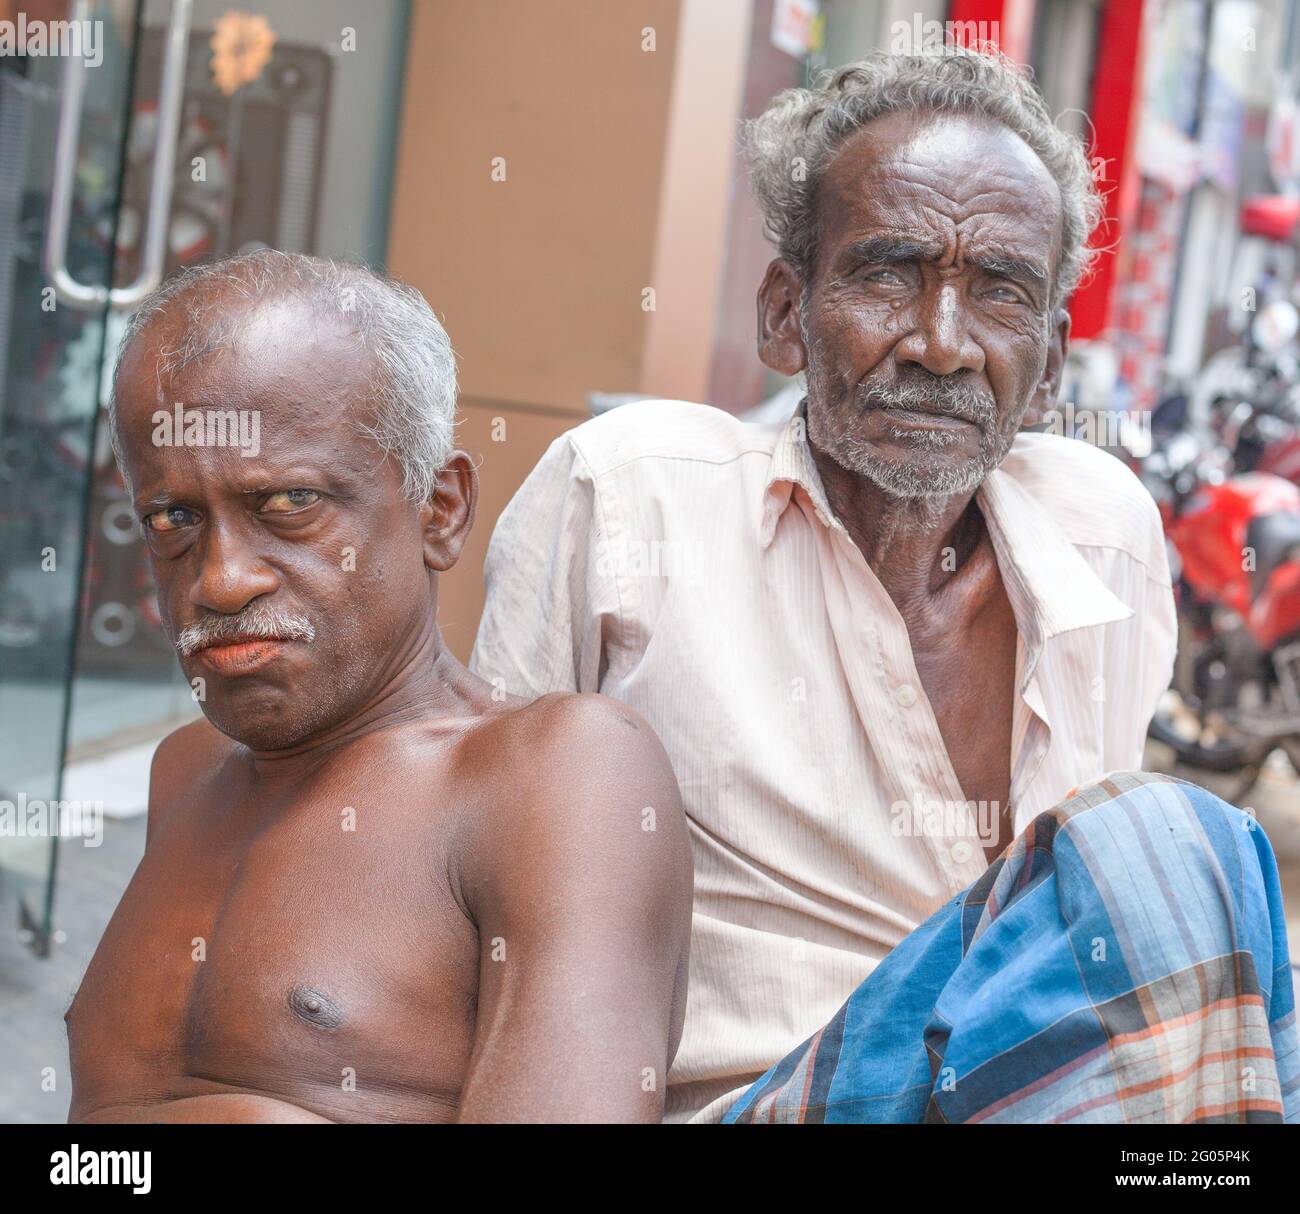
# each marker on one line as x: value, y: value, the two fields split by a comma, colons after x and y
x: 127, y: 154
x: 65, y: 106
x: 168, y: 132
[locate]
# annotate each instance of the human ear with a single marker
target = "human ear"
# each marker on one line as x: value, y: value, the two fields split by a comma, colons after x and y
x: 447, y: 517
x: 780, y: 335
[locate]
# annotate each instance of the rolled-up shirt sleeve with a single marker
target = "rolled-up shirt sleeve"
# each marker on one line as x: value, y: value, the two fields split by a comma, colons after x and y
x: 550, y: 602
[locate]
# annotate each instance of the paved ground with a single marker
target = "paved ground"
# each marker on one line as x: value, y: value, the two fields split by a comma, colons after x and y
x: 34, y: 993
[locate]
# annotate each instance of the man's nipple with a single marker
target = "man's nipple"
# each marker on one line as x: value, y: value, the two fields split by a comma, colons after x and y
x: 315, y: 1007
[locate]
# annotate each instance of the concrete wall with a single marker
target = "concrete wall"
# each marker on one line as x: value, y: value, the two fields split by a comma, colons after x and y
x: 615, y: 180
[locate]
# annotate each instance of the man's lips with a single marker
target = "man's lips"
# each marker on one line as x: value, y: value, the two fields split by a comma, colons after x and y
x: 919, y: 417
x: 236, y: 658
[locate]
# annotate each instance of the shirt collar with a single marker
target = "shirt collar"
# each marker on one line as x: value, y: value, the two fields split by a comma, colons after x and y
x: 793, y: 467
x: 1052, y: 589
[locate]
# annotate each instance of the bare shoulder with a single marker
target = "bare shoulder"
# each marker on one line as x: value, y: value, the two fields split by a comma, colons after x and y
x: 575, y: 781
x: 565, y: 717
x: 191, y: 748
x: 564, y: 742
x: 183, y: 759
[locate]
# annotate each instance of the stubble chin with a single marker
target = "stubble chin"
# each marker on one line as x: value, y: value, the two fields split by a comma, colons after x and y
x: 931, y: 468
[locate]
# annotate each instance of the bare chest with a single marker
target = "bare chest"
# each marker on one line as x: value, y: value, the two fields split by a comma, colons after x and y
x: 321, y: 960
x: 969, y: 678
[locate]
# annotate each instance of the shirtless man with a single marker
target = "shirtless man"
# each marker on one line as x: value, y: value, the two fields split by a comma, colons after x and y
x: 372, y: 888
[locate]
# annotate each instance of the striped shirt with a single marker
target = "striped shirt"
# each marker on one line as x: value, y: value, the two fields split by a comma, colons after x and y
x: 688, y: 564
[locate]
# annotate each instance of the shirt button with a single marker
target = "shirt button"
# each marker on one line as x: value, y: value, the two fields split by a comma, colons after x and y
x: 906, y: 695
x: 962, y: 851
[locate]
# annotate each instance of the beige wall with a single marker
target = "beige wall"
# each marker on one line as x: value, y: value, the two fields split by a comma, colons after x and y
x: 502, y: 468
x: 614, y: 182
x: 699, y: 160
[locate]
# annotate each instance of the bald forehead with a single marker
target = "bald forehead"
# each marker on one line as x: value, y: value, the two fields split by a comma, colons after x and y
x: 294, y: 367
x: 259, y: 342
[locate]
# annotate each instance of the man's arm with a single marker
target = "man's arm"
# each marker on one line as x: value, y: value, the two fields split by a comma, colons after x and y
x: 580, y: 885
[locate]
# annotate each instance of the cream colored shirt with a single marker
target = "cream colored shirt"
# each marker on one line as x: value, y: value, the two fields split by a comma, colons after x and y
x: 688, y: 564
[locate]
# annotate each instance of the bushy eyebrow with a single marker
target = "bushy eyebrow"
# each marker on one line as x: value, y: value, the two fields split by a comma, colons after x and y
x: 890, y: 250
x: 1003, y: 265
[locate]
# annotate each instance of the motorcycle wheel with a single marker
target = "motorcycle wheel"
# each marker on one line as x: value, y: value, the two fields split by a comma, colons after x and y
x: 1179, y: 721
x: 1225, y: 755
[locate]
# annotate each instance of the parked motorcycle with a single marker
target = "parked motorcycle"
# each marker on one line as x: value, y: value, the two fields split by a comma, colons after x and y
x: 1235, y: 555
x: 1253, y: 406
x: 1250, y: 392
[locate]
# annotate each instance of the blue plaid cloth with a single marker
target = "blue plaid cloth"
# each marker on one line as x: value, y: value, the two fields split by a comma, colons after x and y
x: 1125, y: 960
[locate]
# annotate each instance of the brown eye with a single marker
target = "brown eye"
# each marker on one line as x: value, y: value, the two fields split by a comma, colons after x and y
x: 289, y: 500
x: 172, y: 518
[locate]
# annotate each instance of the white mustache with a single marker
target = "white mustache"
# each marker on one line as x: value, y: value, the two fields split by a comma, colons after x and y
x: 942, y: 396
x: 251, y: 624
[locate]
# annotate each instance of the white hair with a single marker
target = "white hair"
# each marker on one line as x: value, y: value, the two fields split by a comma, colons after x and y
x: 805, y: 128
x: 414, y: 398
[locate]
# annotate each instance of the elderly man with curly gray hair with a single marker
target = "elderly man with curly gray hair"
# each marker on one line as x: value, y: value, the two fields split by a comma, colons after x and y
x: 903, y: 654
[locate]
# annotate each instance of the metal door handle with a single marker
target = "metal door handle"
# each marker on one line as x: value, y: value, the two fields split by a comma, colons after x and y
x: 54, y: 257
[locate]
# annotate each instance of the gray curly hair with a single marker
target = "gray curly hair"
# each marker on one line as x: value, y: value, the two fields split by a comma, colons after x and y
x: 805, y: 127
x: 415, y: 368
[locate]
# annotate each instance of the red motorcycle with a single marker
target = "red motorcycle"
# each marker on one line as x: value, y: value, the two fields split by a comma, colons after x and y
x: 1235, y: 556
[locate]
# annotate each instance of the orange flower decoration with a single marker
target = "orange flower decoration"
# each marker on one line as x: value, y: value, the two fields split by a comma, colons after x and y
x: 241, y: 48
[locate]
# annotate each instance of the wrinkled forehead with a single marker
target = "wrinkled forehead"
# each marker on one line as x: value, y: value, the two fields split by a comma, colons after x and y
x: 954, y: 177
